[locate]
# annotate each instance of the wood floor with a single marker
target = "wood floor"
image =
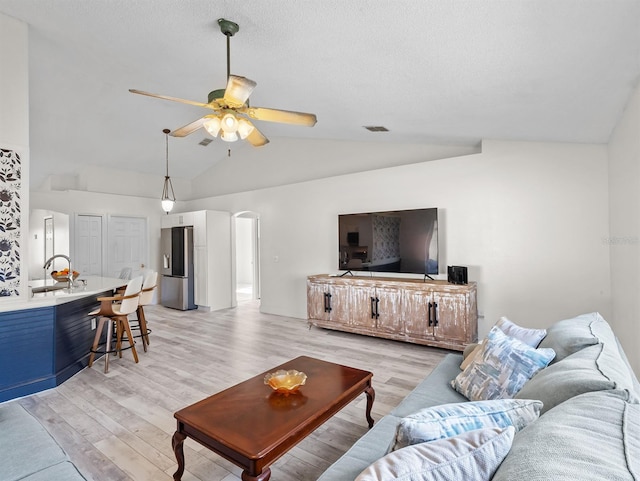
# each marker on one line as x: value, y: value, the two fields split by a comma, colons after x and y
x: 118, y: 426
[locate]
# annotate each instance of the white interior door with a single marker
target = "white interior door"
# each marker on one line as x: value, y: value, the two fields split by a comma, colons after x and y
x: 127, y: 245
x: 88, y: 245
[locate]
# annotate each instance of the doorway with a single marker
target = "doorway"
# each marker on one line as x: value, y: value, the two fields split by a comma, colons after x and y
x: 247, y: 262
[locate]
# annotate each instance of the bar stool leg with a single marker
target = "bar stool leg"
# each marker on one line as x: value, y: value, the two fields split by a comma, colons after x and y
x: 108, y: 344
x: 96, y: 340
x: 142, y: 323
x: 127, y: 328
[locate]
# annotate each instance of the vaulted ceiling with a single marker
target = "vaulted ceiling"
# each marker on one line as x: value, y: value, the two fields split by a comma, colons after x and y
x: 430, y: 71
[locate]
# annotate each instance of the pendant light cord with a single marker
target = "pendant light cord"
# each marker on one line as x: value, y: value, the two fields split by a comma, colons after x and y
x: 166, y: 137
x: 228, y: 56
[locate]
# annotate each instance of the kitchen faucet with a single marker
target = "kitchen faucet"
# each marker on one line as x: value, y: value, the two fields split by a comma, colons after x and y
x: 47, y: 264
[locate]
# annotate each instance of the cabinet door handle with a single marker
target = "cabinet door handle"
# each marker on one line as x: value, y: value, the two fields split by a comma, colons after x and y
x: 435, y: 313
x: 373, y: 308
x: 429, y: 315
x: 327, y: 302
x: 377, y: 308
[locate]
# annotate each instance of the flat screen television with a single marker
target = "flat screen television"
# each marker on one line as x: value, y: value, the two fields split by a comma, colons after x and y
x: 400, y: 241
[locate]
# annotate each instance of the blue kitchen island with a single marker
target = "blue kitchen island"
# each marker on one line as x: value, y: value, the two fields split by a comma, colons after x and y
x: 45, y: 339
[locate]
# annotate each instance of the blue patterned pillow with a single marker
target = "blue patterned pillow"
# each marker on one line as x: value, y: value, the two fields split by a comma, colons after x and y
x: 451, y: 419
x: 501, y: 367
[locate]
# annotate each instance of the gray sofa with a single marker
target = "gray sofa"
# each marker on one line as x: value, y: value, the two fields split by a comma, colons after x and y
x: 589, y: 427
x: 27, y: 450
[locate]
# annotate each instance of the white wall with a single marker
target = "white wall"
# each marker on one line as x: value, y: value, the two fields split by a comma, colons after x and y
x: 287, y: 161
x: 114, y: 181
x: 80, y: 202
x: 14, y: 83
x: 14, y: 137
x: 624, y: 237
x: 528, y: 219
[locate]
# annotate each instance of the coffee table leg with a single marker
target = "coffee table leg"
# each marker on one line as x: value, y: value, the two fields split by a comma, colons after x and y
x: 263, y: 476
x: 177, y: 444
x: 371, y: 395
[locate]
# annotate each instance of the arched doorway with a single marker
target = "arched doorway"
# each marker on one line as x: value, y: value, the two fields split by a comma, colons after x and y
x: 246, y: 256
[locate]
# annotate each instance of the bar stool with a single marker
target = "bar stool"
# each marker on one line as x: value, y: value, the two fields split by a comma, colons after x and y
x: 146, y: 297
x: 115, y: 310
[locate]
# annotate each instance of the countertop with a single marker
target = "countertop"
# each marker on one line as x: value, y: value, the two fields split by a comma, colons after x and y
x: 94, y: 285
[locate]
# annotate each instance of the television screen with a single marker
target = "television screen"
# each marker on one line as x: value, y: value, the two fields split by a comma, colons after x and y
x: 403, y: 241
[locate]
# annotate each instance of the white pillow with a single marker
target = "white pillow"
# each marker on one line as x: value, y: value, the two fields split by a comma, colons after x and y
x: 500, y: 368
x: 474, y: 455
x: 531, y: 337
x: 447, y: 420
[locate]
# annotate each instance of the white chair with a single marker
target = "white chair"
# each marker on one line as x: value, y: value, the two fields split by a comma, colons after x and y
x: 125, y: 273
x: 116, y: 309
x: 146, y: 297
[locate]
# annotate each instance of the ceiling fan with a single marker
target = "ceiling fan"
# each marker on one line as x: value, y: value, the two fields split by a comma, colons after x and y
x: 231, y: 107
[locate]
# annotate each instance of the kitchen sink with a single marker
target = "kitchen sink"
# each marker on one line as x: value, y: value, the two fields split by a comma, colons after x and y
x: 36, y: 290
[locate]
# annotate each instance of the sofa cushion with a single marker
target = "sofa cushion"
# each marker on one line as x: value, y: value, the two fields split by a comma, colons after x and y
x: 576, y: 374
x: 65, y: 471
x: 26, y: 447
x: 452, y: 419
x: 472, y: 455
x: 531, y: 337
x: 500, y: 368
x: 371, y: 446
x: 571, y: 335
x: 594, y: 436
x: 434, y: 389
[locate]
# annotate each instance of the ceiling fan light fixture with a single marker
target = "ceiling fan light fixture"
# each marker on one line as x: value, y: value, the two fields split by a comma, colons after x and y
x: 212, y: 125
x: 229, y: 123
x: 229, y: 136
x: 244, y: 128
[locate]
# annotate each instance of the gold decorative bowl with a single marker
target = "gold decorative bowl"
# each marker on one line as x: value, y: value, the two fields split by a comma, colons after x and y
x: 285, y: 382
x: 63, y: 276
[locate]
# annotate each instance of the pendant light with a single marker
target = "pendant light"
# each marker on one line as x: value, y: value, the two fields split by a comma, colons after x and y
x: 168, y: 196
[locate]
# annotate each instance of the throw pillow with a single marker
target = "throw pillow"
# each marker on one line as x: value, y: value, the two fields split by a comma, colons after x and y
x: 576, y: 374
x: 472, y: 455
x: 571, y: 335
x: 531, y: 337
x: 452, y: 419
x: 501, y: 367
x: 470, y: 356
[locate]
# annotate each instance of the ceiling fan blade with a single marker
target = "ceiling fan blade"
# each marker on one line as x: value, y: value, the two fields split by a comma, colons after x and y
x: 256, y: 138
x: 238, y: 90
x: 283, y: 116
x: 212, y: 105
x: 189, y: 128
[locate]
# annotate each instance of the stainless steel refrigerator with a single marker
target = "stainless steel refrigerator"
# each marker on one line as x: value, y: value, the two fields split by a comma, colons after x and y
x: 177, y: 281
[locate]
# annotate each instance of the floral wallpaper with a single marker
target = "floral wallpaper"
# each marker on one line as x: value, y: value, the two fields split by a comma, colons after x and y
x: 10, y: 187
x: 386, y: 238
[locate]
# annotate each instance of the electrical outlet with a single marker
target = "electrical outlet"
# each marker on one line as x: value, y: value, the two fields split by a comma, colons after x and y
x: 93, y: 323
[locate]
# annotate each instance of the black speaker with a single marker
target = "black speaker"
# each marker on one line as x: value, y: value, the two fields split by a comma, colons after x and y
x: 457, y: 274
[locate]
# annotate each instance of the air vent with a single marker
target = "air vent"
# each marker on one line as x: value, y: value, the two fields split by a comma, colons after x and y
x: 204, y: 142
x: 376, y: 128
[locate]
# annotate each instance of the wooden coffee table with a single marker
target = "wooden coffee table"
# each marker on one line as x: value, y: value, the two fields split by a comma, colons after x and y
x: 252, y: 426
